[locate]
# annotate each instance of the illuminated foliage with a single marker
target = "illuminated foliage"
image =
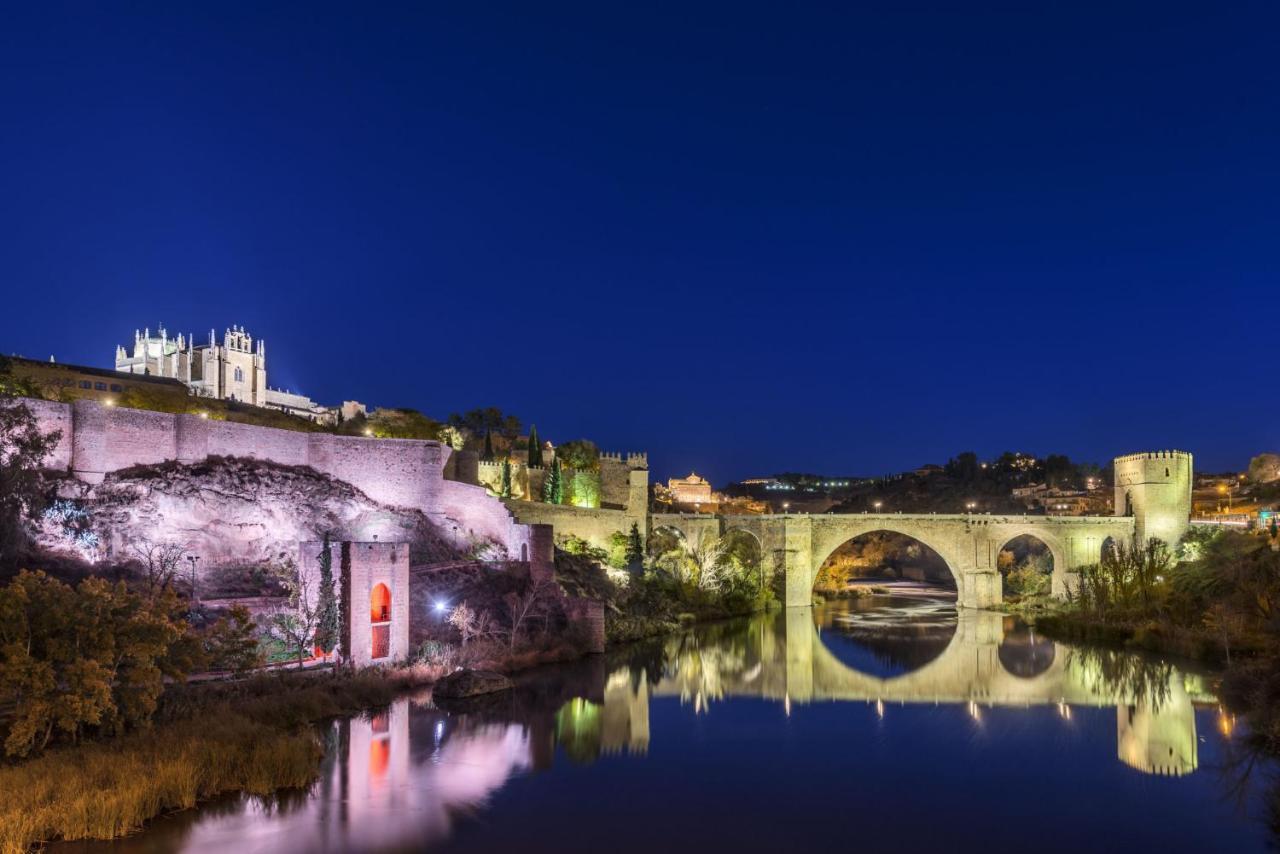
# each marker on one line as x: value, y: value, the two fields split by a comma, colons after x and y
x: 584, y: 489
x: 90, y: 657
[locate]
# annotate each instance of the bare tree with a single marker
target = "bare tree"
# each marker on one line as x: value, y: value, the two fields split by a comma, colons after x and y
x: 469, y: 623
x: 160, y: 561
x: 294, y: 622
x: 529, y: 607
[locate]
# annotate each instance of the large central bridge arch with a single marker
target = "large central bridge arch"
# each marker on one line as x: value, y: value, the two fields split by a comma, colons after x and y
x: 797, y: 545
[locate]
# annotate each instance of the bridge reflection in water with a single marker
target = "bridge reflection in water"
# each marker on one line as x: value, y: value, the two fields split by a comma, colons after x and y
x: 989, y: 660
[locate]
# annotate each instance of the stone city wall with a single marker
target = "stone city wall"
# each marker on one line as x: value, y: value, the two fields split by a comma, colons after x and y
x: 96, y: 440
x: 593, y: 525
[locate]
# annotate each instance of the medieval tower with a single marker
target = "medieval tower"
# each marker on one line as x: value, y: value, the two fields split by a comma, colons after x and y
x: 1155, y: 489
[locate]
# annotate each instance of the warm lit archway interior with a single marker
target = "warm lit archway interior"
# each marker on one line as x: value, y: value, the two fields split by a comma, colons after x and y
x: 883, y: 558
x: 1026, y: 567
x: 380, y: 617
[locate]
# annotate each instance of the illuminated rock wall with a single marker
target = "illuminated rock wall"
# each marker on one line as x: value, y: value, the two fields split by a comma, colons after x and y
x: 96, y: 440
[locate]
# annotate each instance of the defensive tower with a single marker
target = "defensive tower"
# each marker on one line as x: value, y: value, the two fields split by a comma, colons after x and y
x: 1155, y: 489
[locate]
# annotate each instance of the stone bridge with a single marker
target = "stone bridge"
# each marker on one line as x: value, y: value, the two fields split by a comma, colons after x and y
x: 798, y: 544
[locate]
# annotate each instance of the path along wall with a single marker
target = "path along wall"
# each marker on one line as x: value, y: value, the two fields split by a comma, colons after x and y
x: 96, y: 440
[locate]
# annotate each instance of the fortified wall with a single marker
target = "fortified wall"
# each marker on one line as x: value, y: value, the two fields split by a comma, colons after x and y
x: 97, y: 439
x: 620, y: 491
x: 624, y: 489
x: 609, y: 488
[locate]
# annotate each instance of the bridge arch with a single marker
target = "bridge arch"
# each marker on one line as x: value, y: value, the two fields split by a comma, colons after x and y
x: 1023, y: 550
x: 826, y: 547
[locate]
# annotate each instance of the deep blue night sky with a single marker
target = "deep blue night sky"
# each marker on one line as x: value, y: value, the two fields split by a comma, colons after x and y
x: 746, y: 239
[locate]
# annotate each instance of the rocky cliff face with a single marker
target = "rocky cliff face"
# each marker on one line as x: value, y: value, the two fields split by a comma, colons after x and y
x: 230, y: 512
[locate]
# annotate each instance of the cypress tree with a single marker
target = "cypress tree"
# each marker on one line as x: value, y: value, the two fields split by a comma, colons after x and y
x: 535, y: 448
x: 635, y: 548
x: 552, y: 488
x: 487, y: 456
x: 505, y: 492
x: 328, y: 618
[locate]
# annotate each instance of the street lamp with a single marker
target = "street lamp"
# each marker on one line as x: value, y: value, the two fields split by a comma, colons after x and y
x: 785, y: 505
x: 970, y: 506
x: 195, y: 593
x: 876, y: 505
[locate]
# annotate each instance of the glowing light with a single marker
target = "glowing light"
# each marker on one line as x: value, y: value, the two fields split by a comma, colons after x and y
x: 108, y: 402
x: 368, y: 432
x: 1226, y: 722
x: 880, y: 708
x: 204, y: 415
x: 440, y: 606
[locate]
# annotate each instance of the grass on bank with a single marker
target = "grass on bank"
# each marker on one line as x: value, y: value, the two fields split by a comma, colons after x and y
x: 249, y: 736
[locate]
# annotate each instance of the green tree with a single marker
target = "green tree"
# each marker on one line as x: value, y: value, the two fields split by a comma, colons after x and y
x: 94, y: 656
x: 490, y: 419
x: 293, y: 624
x: 328, y: 616
x: 505, y: 490
x: 487, y: 454
x: 583, y: 489
x: 553, y: 486
x: 580, y: 455
x: 963, y: 467
x: 231, y: 643
x: 23, y: 449
x: 399, y: 423
x: 635, y: 548
x: 535, y: 448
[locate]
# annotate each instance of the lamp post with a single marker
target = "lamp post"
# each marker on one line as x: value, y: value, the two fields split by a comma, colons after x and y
x: 876, y: 505
x: 195, y: 592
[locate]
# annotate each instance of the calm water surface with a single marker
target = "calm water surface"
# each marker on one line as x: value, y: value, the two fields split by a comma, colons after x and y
x: 892, y: 724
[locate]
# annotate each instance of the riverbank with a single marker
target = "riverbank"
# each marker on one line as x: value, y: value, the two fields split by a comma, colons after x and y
x: 214, y: 738
x: 252, y: 736
x: 207, y: 740
x: 1142, y: 635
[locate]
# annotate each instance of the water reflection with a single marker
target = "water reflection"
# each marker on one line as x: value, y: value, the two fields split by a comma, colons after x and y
x: 976, y: 659
x: 405, y: 777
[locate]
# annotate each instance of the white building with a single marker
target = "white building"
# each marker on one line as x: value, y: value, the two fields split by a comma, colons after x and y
x: 236, y: 369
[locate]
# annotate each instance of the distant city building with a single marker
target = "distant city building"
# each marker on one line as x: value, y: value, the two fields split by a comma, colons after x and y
x: 690, y: 490
x: 235, y: 369
x: 929, y: 469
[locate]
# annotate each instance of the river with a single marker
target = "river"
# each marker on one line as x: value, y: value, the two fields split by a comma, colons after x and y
x: 891, y: 723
